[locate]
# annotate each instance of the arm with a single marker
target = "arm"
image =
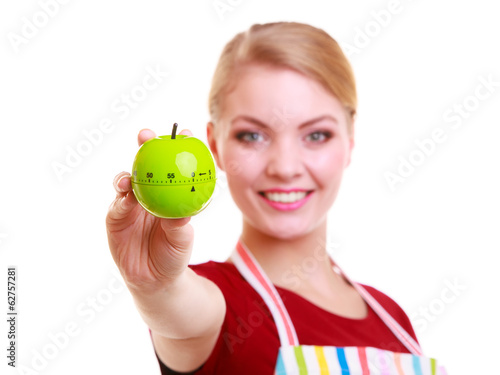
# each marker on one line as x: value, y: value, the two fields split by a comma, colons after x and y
x: 183, y: 310
x: 185, y: 320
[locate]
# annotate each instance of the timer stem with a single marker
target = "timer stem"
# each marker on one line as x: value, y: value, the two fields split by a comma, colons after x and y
x: 174, y: 130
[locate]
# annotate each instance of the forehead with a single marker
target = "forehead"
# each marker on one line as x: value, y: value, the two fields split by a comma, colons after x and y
x: 269, y: 93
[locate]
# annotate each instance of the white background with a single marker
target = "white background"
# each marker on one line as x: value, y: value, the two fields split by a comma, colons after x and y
x: 439, y: 227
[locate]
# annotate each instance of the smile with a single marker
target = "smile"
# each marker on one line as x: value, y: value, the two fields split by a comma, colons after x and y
x: 286, y: 201
x: 291, y: 197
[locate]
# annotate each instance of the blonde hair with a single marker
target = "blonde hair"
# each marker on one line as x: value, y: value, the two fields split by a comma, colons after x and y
x: 292, y: 45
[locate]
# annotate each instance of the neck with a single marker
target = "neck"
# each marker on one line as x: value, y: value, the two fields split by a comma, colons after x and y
x: 296, y: 263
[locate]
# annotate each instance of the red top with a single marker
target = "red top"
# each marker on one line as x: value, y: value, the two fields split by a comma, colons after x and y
x: 249, y: 342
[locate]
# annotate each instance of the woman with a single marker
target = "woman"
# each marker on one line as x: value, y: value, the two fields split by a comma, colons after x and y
x: 282, y: 106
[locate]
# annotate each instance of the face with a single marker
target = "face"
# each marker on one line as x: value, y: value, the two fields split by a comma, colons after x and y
x: 283, y: 142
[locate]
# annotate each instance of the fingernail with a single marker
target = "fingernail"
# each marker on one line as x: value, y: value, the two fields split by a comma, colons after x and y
x: 117, y: 186
x: 117, y: 182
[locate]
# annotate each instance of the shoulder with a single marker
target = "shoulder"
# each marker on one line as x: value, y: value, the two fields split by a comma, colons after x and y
x: 213, y: 267
x: 224, y: 274
x: 248, y: 330
x: 393, y: 308
x: 382, y: 298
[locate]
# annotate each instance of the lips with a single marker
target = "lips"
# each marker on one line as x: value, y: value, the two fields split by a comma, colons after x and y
x: 286, y: 200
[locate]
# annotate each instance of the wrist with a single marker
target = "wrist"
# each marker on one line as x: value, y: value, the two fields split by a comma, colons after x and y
x: 154, y: 289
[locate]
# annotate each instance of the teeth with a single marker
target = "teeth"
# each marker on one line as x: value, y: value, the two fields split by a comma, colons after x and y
x: 286, y: 197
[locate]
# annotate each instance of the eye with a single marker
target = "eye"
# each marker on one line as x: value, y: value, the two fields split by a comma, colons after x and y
x: 319, y: 136
x: 249, y: 137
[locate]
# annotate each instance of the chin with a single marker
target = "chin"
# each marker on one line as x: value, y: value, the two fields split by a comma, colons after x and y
x: 285, y: 232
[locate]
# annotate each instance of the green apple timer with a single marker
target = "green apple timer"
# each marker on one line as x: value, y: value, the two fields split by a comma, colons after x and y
x: 173, y: 176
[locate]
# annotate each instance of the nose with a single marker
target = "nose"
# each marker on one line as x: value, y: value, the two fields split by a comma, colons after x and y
x: 285, y: 159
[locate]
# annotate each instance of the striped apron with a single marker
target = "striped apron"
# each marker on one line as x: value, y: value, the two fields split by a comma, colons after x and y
x: 294, y: 358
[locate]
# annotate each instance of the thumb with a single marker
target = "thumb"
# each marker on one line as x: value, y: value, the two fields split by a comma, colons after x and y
x: 186, y: 132
x: 179, y: 234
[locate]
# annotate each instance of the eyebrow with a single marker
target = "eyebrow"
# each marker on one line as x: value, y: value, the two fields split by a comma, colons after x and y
x: 303, y: 125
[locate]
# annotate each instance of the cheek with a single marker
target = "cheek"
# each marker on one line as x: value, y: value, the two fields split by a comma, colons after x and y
x: 240, y: 161
x: 241, y: 182
x: 330, y: 161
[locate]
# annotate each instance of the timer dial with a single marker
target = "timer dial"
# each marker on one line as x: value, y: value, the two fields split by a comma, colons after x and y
x: 173, y: 176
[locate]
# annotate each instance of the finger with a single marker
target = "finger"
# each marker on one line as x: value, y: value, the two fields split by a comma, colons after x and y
x: 122, y: 183
x: 120, y: 209
x: 186, y: 132
x: 145, y: 135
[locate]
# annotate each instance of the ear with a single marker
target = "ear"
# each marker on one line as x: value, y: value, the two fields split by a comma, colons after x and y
x: 212, y: 143
x: 351, y: 145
